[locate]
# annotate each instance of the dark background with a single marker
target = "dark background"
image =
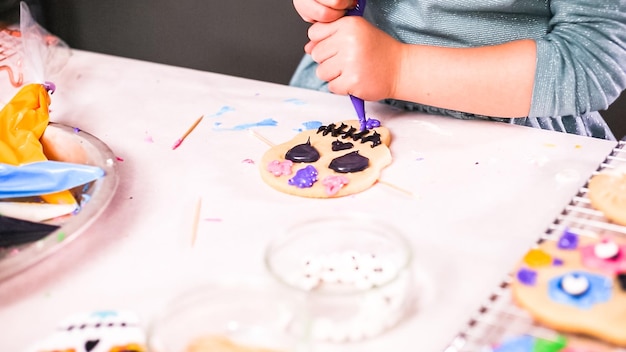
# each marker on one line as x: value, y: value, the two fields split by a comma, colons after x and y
x: 258, y: 39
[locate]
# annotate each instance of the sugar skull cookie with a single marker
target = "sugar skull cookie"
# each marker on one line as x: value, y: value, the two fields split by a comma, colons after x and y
x: 333, y: 161
x: 577, y: 285
x: 100, y: 331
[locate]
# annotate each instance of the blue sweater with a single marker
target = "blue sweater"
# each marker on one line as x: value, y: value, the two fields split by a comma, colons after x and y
x: 581, y: 51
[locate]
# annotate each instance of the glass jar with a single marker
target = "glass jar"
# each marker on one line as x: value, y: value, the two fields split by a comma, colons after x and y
x: 351, y: 276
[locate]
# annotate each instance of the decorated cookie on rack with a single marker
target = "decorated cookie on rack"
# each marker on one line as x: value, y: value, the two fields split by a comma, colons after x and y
x: 560, y: 343
x: 576, y: 285
x: 607, y: 193
x: 333, y: 161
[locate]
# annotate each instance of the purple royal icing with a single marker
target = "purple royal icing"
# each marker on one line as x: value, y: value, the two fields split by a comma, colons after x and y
x: 527, y: 276
x: 568, y: 240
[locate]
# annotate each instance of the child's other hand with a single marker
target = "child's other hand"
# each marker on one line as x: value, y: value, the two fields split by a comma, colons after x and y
x: 356, y: 58
x: 322, y: 10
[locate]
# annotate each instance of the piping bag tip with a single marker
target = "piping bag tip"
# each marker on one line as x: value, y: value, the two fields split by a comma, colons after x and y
x: 359, y: 107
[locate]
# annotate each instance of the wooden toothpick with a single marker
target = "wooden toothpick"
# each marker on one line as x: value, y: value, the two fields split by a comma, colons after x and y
x: 261, y: 138
x: 196, y: 220
x: 391, y: 185
x: 180, y: 140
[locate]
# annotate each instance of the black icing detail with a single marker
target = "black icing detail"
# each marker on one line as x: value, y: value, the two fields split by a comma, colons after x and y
x: 360, y: 135
x: 339, y: 145
x: 621, y: 278
x: 353, y: 133
x: 351, y: 162
x: 349, y: 133
x: 90, y: 345
x: 327, y: 129
x: 303, y: 153
x: 339, y: 130
x: 375, y: 139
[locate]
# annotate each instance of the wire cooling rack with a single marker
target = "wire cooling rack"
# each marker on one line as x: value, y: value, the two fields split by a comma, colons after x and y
x: 499, y: 318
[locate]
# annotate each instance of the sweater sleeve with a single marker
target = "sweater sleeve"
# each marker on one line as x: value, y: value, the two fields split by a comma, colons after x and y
x: 581, y: 61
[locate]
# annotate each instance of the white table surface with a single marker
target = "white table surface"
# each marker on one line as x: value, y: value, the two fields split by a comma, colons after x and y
x: 482, y: 193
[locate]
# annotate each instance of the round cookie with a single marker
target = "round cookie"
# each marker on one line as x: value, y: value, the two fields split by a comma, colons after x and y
x: 607, y: 193
x: 575, y: 285
x: 333, y: 161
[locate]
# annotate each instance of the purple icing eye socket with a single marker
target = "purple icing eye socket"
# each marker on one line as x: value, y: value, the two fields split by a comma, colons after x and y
x: 303, y: 153
x: 351, y: 162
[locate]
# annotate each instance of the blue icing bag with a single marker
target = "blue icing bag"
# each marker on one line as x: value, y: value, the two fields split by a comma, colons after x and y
x: 44, y: 177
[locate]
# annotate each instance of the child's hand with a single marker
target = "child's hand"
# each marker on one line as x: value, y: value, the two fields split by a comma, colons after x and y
x: 322, y: 10
x: 355, y: 58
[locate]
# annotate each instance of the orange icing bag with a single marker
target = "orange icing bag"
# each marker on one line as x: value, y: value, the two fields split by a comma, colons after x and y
x: 22, y: 123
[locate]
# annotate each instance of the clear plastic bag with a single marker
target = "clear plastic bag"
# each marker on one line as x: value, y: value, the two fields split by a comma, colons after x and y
x: 30, y: 54
x: 44, y: 54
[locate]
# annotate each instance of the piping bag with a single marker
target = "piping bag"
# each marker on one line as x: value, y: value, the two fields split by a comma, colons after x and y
x: 358, y: 103
x: 22, y: 123
x: 24, y: 119
x: 14, y: 232
x: 44, y: 177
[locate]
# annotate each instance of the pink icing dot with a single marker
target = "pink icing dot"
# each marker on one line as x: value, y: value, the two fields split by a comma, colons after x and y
x: 278, y: 168
x: 611, y: 266
x: 334, y: 183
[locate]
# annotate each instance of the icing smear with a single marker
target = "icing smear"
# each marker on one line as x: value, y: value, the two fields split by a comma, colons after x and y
x: 598, y: 291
